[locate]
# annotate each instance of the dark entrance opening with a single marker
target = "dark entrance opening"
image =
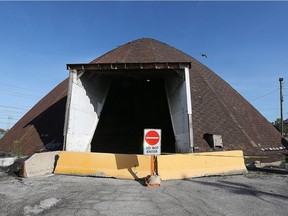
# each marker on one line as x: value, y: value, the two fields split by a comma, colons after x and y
x: 131, y: 106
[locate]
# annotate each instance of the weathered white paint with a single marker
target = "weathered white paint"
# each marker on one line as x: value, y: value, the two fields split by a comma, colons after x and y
x: 87, y: 96
x: 177, y: 100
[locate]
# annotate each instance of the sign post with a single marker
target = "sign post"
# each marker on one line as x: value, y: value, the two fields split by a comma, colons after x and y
x: 152, y: 146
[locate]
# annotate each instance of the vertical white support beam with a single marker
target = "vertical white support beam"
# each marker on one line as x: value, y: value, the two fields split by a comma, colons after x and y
x: 188, y: 91
x: 189, y: 108
x: 72, y: 76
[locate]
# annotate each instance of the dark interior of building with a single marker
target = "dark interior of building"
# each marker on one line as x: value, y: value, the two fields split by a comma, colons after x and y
x: 131, y: 106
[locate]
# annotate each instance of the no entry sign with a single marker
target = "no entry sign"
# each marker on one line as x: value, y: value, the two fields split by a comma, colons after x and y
x: 152, y: 142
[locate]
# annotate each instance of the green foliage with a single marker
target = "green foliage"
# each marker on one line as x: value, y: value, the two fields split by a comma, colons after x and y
x: 17, y: 148
x: 277, y: 125
x: 2, y: 131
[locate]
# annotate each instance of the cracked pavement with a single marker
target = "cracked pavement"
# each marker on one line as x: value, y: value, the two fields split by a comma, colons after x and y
x: 74, y: 195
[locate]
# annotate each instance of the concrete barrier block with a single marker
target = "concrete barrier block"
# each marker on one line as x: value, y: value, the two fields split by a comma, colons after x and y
x: 182, y: 166
x: 125, y: 166
x: 174, y: 166
x: 39, y: 164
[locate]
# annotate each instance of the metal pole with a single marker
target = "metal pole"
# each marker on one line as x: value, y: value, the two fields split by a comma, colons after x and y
x: 9, y: 122
x: 189, y: 109
x: 281, y: 107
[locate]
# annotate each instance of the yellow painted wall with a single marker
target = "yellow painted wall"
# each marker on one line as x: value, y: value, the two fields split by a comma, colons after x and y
x: 127, y: 166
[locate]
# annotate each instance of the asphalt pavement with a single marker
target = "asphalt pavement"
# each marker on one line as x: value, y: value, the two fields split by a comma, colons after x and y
x: 256, y: 193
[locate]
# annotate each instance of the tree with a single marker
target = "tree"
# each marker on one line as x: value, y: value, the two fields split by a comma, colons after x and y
x: 2, y: 131
x: 277, y: 125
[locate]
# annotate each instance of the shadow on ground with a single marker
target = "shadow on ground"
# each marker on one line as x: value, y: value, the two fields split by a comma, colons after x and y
x: 269, y: 170
x: 240, y: 188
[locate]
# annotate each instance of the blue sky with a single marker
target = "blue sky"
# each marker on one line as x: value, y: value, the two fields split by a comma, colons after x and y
x: 246, y: 44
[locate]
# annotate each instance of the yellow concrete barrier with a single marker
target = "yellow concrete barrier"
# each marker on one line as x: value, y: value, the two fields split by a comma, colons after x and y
x: 174, y: 166
x: 125, y: 166
x: 181, y: 166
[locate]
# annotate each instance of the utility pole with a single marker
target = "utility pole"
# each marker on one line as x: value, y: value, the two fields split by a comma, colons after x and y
x: 8, y: 122
x: 281, y: 107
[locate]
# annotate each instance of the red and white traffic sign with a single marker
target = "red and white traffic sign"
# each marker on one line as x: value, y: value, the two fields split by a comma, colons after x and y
x: 152, y: 137
x: 152, y: 142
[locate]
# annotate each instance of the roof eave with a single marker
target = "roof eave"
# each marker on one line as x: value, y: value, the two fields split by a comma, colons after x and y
x: 129, y: 66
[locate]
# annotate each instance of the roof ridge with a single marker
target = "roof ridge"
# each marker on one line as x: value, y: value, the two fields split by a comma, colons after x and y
x: 143, y: 50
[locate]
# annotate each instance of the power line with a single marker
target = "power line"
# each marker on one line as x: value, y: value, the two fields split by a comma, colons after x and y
x: 18, y: 87
x: 272, y: 115
x: 269, y: 108
x: 265, y: 95
x: 4, y: 114
x: 23, y: 96
x: 18, y: 93
x: 6, y: 122
x: 11, y: 107
x: 13, y: 111
x: 8, y: 118
x: 11, y: 119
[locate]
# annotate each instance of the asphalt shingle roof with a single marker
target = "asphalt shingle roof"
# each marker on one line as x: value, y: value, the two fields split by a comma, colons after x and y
x: 145, y: 50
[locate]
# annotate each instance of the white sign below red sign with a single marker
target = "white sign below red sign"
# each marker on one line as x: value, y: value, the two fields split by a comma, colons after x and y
x: 152, y: 142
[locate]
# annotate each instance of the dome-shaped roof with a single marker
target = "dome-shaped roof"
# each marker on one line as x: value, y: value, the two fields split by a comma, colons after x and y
x: 217, y: 107
x: 145, y: 50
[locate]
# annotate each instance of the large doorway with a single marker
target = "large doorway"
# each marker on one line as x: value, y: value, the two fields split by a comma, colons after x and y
x: 132, y: 105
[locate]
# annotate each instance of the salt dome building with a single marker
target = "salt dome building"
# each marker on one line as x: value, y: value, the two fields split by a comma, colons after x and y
x: 105, y: 105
